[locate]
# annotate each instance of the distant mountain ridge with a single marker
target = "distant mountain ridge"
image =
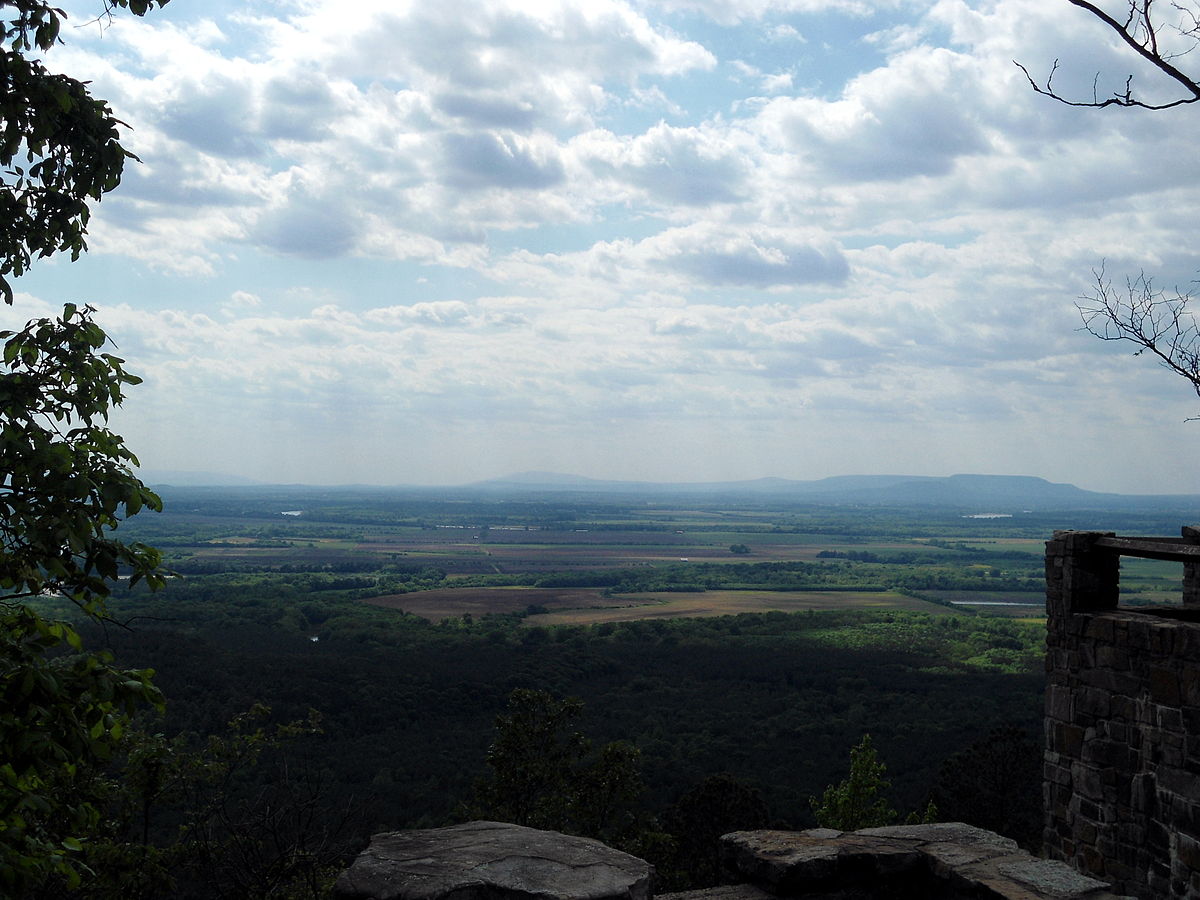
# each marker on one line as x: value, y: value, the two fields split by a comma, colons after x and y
x: 968, y: 493
x: 981, y: 492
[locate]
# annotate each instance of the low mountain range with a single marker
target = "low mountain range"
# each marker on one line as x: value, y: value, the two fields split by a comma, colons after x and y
x: 999, y: 493
x: 969, y: 493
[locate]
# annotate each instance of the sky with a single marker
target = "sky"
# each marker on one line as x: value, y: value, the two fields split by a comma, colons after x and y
x: 683, y: 240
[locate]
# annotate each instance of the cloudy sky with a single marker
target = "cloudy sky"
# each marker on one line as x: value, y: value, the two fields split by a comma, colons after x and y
x: 682, y: 240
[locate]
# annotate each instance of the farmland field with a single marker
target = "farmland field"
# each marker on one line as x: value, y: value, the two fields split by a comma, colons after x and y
x: 589, y: 606
x: 438, y: 604
x: 727, y: 603
x: 563, y: 558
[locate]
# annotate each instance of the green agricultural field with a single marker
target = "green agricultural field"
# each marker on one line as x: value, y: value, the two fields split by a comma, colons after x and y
x: 443, y: 603
x: 588, y: 606
x: 671, y: 605
x: 1034, y: 547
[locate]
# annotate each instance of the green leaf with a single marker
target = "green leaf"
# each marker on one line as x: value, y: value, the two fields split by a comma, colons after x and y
x: 65, y: 478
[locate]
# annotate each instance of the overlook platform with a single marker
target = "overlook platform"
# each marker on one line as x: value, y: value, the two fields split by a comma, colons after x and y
x: 1121, y: 777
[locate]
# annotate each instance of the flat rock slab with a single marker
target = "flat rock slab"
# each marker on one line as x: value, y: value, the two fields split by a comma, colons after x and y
x: 945, y: 859
x: 492, y: 861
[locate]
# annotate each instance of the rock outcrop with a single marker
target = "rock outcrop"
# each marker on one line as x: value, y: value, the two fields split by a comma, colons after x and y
x: 948, y: 860
x: 492, y: 861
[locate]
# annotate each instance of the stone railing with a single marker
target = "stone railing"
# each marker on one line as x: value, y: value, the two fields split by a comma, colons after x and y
x: 1122, y: 761
x: 1082, y: 567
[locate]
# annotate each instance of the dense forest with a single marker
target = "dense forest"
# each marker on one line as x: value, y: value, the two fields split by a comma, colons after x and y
x: 366, y: 655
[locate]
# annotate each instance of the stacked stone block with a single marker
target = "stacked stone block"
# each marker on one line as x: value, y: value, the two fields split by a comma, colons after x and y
x: 1122, y: 761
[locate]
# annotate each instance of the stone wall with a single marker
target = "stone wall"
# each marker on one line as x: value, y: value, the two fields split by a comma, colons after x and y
x: 1122, y: 761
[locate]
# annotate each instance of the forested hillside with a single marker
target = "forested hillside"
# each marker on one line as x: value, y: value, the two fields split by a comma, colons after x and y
x: 755, y: 641
x: 774, y: 698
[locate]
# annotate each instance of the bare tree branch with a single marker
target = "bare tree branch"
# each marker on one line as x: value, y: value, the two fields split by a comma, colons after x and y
x: 1141, y: 31
x: 1149, y: 318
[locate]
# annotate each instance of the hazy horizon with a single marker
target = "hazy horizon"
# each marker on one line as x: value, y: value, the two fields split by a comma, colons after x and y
x: 196, y: 478
x: 644, y: 240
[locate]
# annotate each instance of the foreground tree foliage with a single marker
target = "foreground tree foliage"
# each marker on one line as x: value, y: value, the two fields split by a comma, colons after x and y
x: 717, y: 805
x: 995, y: 784
x: 174, y: 826
x: 858, y: 801
x: 59, y: 145
x: 544, y: 774
x: 67, y: 484
x: 67, y: 480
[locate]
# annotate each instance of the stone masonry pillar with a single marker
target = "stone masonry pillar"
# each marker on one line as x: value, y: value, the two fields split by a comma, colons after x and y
x: 1080, y: 579
x: 1191, y: 571
x: 1079, y: 576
